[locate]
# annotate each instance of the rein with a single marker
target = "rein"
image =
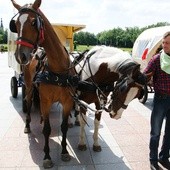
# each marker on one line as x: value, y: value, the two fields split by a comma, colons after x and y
x: 99, y: 90
x: 124, y: 106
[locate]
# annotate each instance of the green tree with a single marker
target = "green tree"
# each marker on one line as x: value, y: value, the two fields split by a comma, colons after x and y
x: 85, y: 38
x: 3, y: 36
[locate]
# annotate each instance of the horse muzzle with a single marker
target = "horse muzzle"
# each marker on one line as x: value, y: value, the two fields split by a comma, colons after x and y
x: 22, y: 57
x: 115, y: 115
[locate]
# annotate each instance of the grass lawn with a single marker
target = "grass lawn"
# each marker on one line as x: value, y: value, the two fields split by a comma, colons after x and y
x: 85, y: 47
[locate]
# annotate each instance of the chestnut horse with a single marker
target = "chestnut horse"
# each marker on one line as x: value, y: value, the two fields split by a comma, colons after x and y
x: 108, y: 70
x: 35, y: 30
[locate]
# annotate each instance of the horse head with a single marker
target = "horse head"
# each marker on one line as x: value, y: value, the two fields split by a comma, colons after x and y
x: 127, y: 88
x: 29, y: 27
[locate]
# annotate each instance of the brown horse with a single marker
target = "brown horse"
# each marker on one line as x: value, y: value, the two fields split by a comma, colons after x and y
x: 108, y: 70
x: 34, y: 30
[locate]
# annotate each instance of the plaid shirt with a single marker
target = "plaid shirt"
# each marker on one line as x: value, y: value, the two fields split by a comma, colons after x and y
x: 161, y: 80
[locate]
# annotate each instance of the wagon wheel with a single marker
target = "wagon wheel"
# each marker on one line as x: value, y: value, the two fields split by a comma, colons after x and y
x: 24, y: 103
x: 14, y: 87
x: 145, y: 96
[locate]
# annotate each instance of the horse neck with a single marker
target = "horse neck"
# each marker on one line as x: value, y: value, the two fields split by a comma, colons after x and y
x: 57, y: 56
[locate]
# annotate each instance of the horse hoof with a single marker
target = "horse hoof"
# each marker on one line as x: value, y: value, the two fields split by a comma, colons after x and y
x: 27, y: 130
x: 77, y: 123
x: 47, y: 164
x: 97, y: 148
x: 70, y: 125
x: 82, y: 147
x: 65, y: 157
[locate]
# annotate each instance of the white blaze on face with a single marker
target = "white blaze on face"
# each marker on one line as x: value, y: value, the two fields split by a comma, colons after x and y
x: 22, y: 20
x: 130, y: 96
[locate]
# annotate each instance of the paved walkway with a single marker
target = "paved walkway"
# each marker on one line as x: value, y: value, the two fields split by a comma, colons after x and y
x: 124, y: 142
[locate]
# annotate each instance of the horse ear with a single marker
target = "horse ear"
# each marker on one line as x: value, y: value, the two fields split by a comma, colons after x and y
x: 135, y: 70
x: 15, y: 5
x: 36, y: 4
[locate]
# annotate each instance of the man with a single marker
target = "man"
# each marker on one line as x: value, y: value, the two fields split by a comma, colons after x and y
x: 159, y: 65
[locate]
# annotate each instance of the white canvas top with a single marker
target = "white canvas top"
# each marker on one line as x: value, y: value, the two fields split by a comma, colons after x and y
x: 151, y: 39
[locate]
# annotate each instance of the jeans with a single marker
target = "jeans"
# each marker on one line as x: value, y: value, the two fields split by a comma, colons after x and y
x: 161, y: 111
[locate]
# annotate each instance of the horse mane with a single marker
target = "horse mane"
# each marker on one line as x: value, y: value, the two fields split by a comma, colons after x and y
x: 126, y: 67
x: 48, y: 22
x: 55, y: 50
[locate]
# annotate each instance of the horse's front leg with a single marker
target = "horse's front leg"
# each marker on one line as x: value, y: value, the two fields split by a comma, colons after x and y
x: 47, y: 163
x: 83, y: 119
x: 96, y: 146
x: 28, y: 99
x: 45, y: 106
x: 64, y: 128
x: 76, y: 113
x: 27, y: 122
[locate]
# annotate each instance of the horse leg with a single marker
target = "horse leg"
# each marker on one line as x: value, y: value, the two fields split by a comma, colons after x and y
x: 64, y: 128
x: 47, y: 163
x: 27, y: 123
x: 45, y: 106
x: 76, y: 113
x: 82, y: 144
x: 70, y: 122
x: 28, y: 99
x: 96, y: 146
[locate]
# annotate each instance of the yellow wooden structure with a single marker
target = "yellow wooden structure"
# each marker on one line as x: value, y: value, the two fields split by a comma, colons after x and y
x: 65, y: 33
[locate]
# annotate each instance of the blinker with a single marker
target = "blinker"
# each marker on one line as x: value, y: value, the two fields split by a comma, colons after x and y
x: 12, y: 26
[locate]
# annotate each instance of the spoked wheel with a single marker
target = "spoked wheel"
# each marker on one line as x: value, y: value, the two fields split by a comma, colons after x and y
x: 14, y: 87
x: 145, y: 96
x: 24, y: 103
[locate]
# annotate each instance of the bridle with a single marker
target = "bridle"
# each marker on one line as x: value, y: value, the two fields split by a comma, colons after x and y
x: 115, y: 97
x: 40, y: 29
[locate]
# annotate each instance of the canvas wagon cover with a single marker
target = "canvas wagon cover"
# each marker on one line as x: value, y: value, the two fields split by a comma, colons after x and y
x: 147, y: 44
x: 149, y: 39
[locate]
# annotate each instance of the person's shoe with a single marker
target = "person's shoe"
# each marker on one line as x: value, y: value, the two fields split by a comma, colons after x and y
x: 165, y: 163
x: 154, y: 165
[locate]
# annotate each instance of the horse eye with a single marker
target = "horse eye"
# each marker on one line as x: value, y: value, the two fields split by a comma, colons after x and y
x: 33, y: 23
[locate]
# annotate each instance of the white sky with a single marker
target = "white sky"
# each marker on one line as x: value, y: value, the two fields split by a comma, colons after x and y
x: 97, y: 15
